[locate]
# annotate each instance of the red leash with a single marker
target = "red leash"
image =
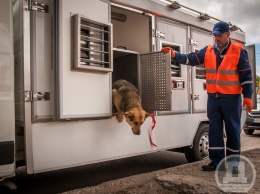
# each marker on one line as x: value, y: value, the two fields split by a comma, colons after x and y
x: 154, y: 123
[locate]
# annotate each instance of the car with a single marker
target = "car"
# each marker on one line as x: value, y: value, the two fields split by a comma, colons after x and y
x: 258, y: 98
x: 252, y: 122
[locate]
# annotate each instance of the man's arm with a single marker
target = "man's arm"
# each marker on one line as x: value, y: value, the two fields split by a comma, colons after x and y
x: 245, y: 74
x: 193, y: 59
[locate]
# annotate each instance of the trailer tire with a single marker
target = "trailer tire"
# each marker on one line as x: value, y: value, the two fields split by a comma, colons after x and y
x: 248, y: 131
x: 200, y: 148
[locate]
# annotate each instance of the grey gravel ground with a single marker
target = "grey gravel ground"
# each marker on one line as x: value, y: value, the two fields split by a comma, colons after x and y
x: 187, y: 178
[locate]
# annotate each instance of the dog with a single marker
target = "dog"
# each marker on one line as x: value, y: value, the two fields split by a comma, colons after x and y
x: 126, y: 100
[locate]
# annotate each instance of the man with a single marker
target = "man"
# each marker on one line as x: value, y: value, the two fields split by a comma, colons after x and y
x: 228, y: 75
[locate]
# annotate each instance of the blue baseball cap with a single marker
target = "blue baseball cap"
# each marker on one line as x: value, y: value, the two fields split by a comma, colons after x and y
x: 220, y: 27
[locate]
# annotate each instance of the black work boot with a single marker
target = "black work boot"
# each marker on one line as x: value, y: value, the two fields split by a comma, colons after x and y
x: 235, y: 170
x: 209, y: 167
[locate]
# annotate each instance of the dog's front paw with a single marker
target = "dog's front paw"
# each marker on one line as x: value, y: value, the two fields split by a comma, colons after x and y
x: 120, y: 118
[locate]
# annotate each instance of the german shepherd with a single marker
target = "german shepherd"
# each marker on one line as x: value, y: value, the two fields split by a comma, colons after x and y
x: 127, y: 101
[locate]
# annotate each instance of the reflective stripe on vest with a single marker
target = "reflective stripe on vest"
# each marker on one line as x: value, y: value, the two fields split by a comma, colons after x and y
x: 225, y: 79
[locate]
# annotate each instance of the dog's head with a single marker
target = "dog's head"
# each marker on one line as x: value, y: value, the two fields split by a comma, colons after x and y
x: 135, y: 118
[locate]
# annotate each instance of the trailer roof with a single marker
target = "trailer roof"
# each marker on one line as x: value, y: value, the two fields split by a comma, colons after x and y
x: 172, y: 10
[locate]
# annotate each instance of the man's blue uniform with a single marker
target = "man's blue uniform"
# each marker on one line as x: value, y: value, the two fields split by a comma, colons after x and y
x: 223, y: 107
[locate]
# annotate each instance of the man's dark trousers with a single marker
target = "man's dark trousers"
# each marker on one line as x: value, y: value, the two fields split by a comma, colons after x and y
x: 225, y: 108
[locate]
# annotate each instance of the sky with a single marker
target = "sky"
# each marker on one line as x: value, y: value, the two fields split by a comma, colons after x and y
x: 243, y: 13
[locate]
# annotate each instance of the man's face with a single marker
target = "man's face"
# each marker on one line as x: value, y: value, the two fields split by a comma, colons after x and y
x: 222, y: 40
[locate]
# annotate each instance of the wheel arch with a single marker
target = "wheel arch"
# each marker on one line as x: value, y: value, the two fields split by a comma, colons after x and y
x: 199, y: 147
x: 199, y: 125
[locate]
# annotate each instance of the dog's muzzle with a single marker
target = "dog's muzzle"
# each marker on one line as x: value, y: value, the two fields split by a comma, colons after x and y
x: 136, y: 132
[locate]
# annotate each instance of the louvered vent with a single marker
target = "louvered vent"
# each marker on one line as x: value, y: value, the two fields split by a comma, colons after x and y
x: 175, y: 69
x: 91, y: 44
x: 200, y: 72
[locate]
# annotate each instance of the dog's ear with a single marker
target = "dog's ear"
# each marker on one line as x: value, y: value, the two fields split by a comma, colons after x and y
x: 130, y: 115
x: 147, y: 114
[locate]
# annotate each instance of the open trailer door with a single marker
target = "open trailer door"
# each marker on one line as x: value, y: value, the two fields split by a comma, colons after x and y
x: 251, y: 56
x: 34, y: 59
x: 155, y: 76
x: 7, y: 127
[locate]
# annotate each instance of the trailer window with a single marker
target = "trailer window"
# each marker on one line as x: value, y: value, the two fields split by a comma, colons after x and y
x: 175, y: 66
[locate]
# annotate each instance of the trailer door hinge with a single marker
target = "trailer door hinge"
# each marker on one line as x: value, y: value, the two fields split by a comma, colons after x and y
x: 193, y: 42
x: 178, y: 84
x: 158, y: 34
x: 35, y: 6
x: 196, y: 97
x: 30, y: 96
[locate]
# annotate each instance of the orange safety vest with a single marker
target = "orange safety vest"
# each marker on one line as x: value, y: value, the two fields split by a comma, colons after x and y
x: 225, y: 79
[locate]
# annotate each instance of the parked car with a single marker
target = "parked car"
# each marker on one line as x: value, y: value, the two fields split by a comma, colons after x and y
x: 252, y: 122
x: 258, y: 98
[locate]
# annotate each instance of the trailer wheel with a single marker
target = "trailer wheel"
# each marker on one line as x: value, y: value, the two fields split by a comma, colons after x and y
x: 249, y: 131
x: 200, y: 148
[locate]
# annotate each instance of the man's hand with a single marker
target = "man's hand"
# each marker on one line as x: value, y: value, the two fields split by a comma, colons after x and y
x: 248, y: 102
x: 167, y: 49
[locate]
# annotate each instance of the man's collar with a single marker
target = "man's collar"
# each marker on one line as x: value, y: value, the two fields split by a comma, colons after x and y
x: 229, y: 42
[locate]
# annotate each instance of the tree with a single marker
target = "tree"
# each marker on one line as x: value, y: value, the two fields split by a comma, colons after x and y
x: 257, y: 81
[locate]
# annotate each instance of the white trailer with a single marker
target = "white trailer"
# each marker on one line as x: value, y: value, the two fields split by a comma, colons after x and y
x: 59, y: 59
